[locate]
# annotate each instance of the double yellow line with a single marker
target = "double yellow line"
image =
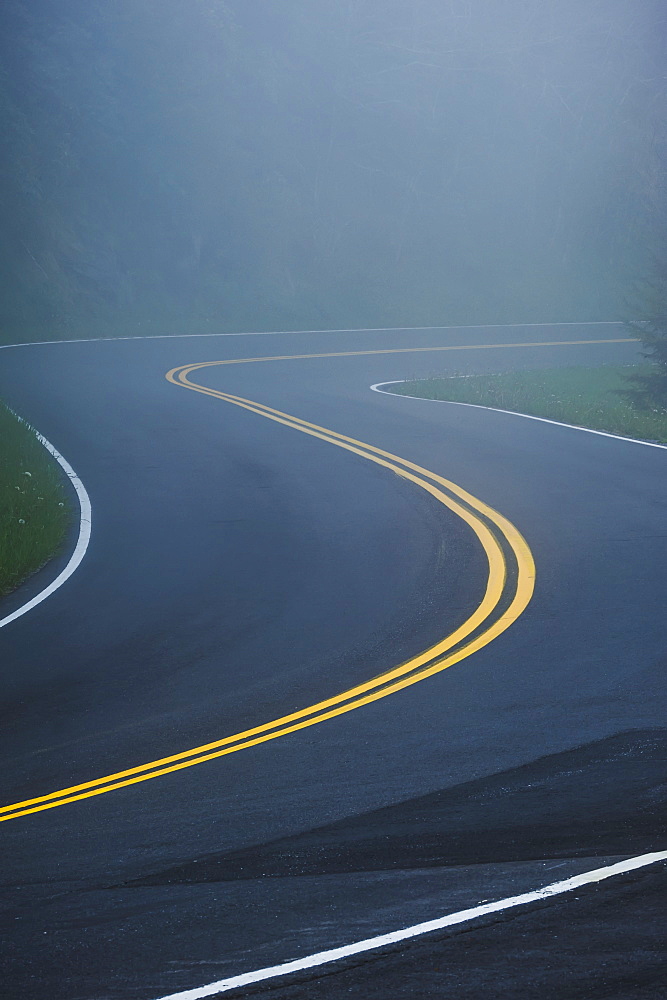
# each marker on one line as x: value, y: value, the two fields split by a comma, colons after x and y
x: 495, y: 533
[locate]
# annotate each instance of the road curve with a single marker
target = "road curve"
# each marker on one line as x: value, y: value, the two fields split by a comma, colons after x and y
x: 239, y: 572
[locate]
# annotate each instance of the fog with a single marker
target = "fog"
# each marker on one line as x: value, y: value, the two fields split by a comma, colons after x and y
x: 197, y: 165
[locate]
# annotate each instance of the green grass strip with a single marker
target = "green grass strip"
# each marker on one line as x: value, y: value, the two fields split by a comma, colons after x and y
x: 34, y: 508
x: 588, y: 397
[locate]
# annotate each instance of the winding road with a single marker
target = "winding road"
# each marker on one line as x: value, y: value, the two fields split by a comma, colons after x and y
x: 335, y: 662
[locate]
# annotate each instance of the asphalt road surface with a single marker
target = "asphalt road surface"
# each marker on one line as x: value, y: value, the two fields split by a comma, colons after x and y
x: 240, y: 571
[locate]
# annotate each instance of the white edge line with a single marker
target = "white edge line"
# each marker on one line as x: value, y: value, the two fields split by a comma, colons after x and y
x: 461, y: 916
x: 512, y: 413
x: 352, y: 329
x: 85, y: 519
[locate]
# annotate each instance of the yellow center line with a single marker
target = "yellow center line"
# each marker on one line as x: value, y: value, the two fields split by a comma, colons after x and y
x: 414, y: 670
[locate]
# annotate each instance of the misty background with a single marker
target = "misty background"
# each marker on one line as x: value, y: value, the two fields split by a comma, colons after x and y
x: 204, y: 166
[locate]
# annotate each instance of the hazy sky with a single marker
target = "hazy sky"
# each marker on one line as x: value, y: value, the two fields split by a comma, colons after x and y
x: 249, y: 164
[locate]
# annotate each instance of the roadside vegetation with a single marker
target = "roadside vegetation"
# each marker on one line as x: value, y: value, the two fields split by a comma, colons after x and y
x: 647, y: 387
x: 590, y: 397
x: 34, y: 510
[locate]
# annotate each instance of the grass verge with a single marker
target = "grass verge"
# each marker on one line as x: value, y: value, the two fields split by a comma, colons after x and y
x: 34, y: 509
x: 589, y: 397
